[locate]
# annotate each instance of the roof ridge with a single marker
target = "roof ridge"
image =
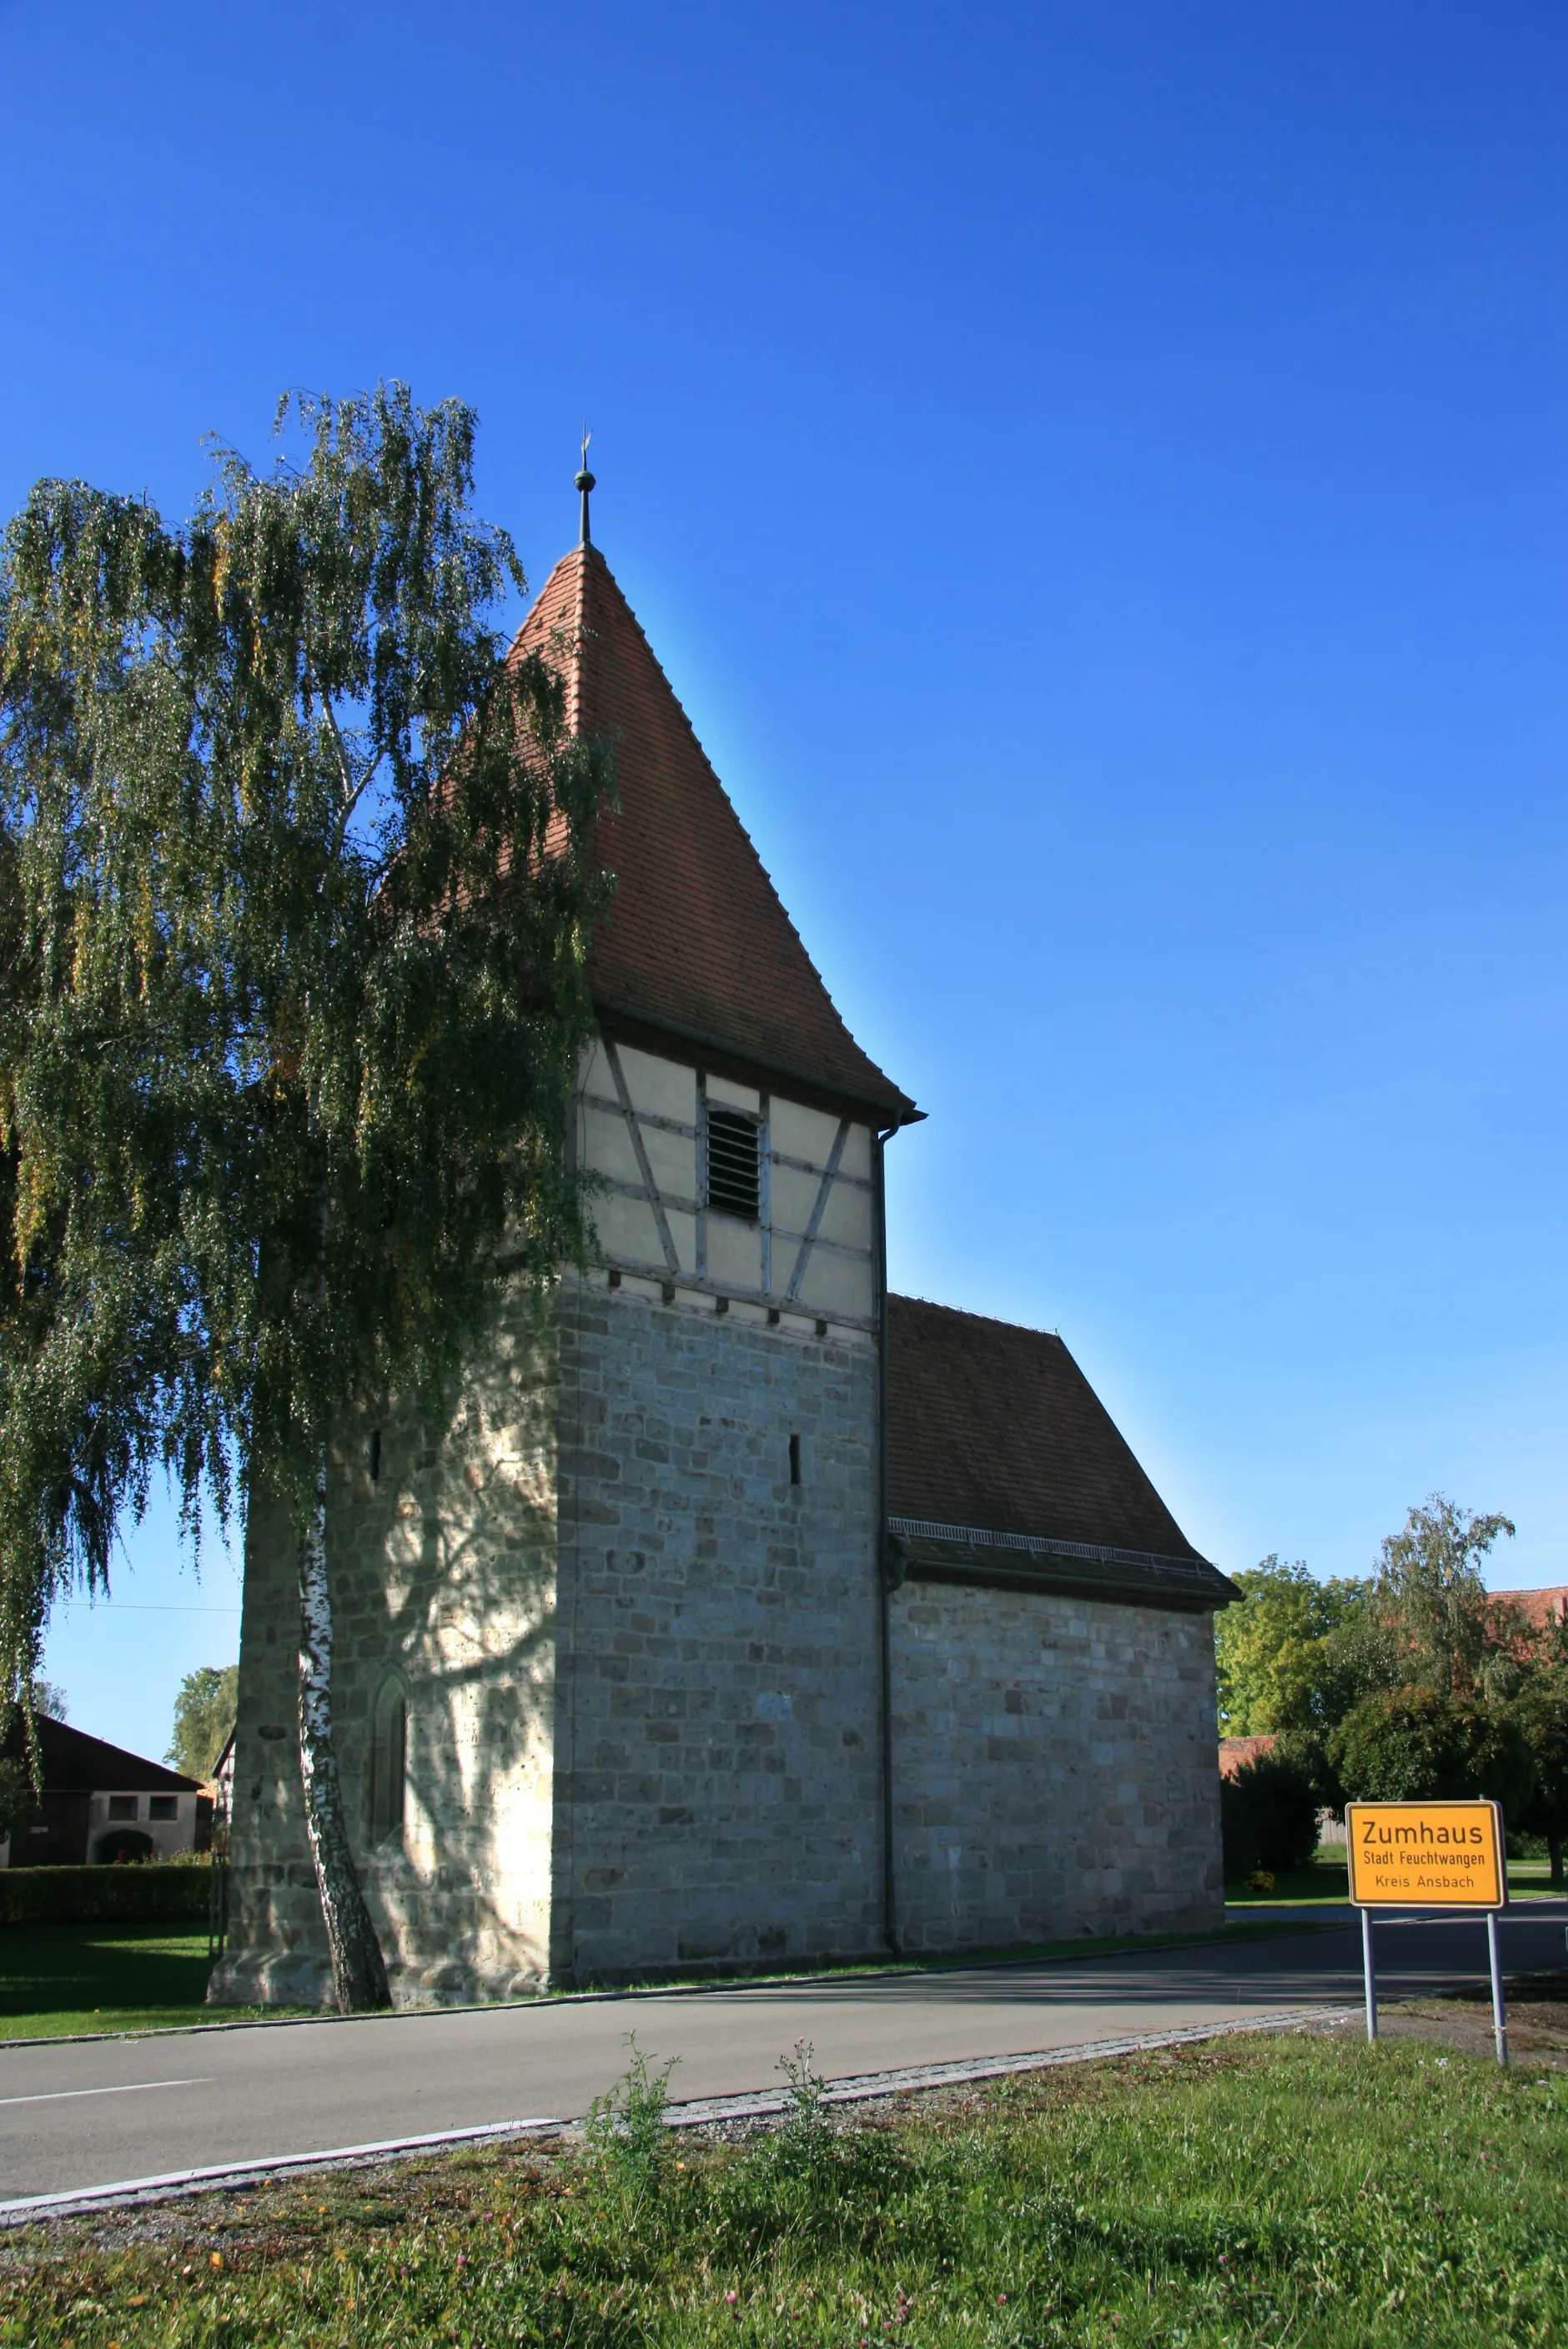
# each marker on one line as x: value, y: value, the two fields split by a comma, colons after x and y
x: 581, y: 624
x: 965, y: 1313
x: 697, y: 939
x: 696, y: 738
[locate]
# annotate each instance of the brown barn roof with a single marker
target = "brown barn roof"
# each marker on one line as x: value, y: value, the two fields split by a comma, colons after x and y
x: 75, y: 1763
x: 995, y: 1428
x: 696, y: 941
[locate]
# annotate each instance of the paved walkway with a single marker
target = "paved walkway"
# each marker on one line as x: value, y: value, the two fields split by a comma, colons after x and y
x: 89, y: 2114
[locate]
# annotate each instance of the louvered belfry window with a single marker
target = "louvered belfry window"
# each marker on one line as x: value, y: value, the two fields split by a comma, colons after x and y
x: 732, y: 1163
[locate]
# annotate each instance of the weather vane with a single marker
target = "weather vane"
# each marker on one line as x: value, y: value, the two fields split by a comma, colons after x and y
x: 584, y: 481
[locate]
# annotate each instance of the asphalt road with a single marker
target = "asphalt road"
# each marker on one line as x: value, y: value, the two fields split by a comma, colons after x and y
x: 88, y: 2114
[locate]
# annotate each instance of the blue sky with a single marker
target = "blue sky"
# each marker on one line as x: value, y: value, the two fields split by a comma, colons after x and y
x: 1097, y: 477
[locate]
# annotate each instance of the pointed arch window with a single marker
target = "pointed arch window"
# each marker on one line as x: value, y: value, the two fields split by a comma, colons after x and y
x: 388, y: 1760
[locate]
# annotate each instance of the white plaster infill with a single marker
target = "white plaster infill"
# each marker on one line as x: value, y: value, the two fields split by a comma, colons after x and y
x: 760, y: 2104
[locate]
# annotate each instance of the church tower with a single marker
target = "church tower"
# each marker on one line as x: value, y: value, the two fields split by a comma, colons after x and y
x: 610, y: 1674
x: 737, y: 1613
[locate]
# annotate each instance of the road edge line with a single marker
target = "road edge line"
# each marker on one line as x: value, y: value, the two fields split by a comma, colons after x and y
x: 175, y: 2185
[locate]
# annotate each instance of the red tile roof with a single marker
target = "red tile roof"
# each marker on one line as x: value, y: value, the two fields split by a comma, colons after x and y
x: 696, y: 941
x: 75, y: 1763
x: 1538, y: 1606
x: 996, y: 1428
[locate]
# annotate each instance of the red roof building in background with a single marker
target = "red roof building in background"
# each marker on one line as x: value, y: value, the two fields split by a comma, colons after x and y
x: 100, y: 1803
x: 1540, y: 1607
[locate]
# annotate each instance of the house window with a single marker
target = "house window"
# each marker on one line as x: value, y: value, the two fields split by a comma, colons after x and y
x: 122, y: 1806
x: 388, y: 1761
x: 732, y: 1163
x: 163, y: 1806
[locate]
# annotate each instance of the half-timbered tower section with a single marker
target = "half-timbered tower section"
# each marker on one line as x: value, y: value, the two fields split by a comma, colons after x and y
x: 630, y: 1676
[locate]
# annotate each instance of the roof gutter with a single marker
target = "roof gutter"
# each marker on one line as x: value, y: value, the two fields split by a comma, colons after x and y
x: 931, y: 1552
x: 885, y: 1564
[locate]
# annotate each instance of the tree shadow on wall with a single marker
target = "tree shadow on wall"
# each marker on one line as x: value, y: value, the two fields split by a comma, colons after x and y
x: 445, y: 1588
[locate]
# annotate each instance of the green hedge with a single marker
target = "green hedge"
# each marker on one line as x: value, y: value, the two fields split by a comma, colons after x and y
x: 103, y: 1896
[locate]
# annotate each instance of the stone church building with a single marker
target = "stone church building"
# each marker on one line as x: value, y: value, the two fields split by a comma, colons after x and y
x: 741, y: 1613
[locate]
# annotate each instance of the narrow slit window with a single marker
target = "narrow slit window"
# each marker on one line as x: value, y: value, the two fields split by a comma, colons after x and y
x: 388, y: 1762
x: 733, y: 1170
x: 794, y: 1459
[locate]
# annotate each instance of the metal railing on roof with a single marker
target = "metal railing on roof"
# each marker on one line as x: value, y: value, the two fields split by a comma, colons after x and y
x: 1042, y: 1545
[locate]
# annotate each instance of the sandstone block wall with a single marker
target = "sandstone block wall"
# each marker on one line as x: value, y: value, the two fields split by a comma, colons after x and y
x: 717, y: 1770
x: 1054, y: 1768
x: 443, y: 1579
x: 642, y: 1672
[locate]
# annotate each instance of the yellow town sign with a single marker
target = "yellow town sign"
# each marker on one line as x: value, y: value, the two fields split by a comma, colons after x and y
x: 1425, y: 1855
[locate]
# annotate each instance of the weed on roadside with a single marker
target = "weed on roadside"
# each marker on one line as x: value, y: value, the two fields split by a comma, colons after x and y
x: 1301, y: 2194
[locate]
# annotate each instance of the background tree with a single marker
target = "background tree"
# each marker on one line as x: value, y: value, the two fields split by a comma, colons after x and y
x: 1418, y: 1745
x: 1541, y: 1713
x: 1285, y: 1657
x: 1268, y: 1815
x: 1454, y: 1635
x: 295, y: 882
x: 204, y: 1713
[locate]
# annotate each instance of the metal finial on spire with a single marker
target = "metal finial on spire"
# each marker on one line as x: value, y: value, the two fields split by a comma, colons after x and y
x: 584, y: 481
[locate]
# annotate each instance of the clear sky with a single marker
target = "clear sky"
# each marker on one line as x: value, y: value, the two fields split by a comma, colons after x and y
x: 1096, y: 476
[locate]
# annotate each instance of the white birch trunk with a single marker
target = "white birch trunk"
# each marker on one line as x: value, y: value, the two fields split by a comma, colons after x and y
x: 358, y: 1970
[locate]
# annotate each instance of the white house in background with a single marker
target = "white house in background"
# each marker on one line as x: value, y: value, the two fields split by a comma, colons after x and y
x: 99, y: 1801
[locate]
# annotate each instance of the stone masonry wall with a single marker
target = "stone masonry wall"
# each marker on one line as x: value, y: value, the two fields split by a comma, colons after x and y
x: 443, y: 1580
x: 1054, y: 1768
x: 641, y: 1666
x: 717, y: 1790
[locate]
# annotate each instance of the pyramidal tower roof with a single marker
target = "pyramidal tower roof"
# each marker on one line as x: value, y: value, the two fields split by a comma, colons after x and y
x: 697, y: 942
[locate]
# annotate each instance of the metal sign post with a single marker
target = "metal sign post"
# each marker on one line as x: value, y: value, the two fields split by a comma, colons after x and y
x: 1442, y: 1856
x: 1499, y: 2020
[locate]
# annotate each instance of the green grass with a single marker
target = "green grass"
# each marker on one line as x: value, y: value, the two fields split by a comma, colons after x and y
x: 58, y: 1979
x: 1296, y: 2192
x: 1530, y: 1875
x: 1326, y: 1879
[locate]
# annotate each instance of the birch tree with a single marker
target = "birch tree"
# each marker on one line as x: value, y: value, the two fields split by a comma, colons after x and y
x: 295, y: 888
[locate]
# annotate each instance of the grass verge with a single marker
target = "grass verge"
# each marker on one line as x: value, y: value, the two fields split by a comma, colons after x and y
x: 1326, y: 1879
x: 57, y: 1981
x: 1305, y: 2192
